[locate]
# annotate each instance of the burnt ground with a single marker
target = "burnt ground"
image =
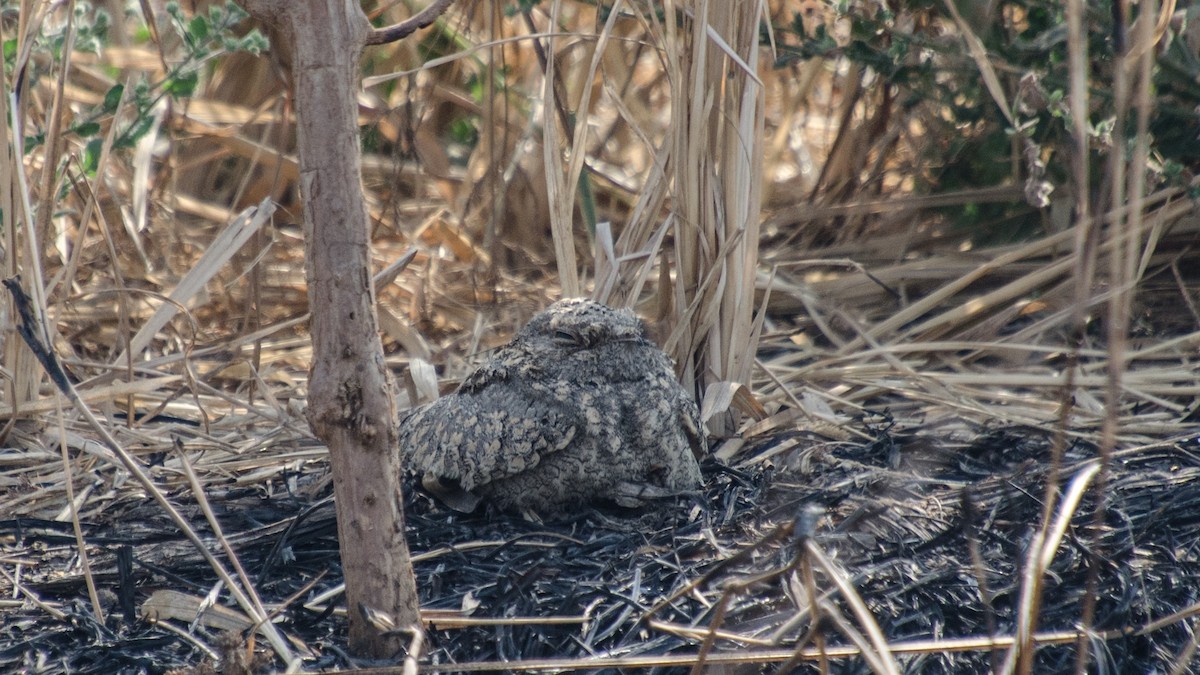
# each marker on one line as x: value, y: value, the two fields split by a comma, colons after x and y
x: 933, y: 528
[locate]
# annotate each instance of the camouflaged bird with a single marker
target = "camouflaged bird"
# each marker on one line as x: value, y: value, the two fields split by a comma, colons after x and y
x: 581, y: 405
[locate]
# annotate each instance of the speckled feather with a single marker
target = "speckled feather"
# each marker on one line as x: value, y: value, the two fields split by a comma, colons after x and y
x: 579, y: 404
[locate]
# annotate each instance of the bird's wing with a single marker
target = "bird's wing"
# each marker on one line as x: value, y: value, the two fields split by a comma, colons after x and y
x: 485, y: 433
x: 657, y: 378
x: 693, y: 427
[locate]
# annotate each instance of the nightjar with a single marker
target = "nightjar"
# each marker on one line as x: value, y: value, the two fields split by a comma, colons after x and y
x: 580, y: 406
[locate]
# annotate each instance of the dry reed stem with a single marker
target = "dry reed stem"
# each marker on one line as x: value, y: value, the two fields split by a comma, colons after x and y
x: 1123, y: 274
x: 73, y: 506
x: 560, y: 188
x: 876, y: 649
x: 255, y: 610
x: 743, y: 656
x: 226, y: 244
x: 1042, y: 550
x: 134, y: 468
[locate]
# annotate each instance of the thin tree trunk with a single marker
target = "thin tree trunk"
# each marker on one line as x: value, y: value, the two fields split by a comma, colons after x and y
x: 350, y: 406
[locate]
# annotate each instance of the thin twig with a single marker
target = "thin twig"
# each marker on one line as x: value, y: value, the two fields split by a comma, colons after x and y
x: 399, y: 31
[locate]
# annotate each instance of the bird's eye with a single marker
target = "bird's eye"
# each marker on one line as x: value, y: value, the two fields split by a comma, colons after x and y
x: 564, y: 336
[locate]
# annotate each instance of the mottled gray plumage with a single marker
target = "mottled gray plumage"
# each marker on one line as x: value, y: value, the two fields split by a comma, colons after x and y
x: 580, y: 405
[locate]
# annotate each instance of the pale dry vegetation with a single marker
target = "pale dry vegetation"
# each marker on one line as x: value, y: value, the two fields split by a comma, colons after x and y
x: 908, y: 261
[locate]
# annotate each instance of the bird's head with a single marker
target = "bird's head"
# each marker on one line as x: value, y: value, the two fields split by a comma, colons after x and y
x: 578, y: 323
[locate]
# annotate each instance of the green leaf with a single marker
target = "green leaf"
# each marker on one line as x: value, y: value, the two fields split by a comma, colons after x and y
x: 254, y: 42
x: 199, y: 28
x: 234, y: 12
x: 87, y: 129
x: 113, y: 98
x: 182, y: 85
x: 141, y: 93
x: 140, y: 127
x: 91, y: 156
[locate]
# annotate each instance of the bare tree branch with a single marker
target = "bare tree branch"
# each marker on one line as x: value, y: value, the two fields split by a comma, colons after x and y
x: 350, y: 405
x: 382, y: 36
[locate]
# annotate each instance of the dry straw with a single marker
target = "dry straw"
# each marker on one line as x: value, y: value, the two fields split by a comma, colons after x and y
x: 846, y: 301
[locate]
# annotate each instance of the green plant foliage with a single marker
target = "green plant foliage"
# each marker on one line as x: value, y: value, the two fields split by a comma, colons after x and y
x: 203, y: 38
x: 112, y: 99
x: 919, y: 53
x: 91, y: 156
x: 207, y: 35
x: 520, y: 6
x: 91, y: 33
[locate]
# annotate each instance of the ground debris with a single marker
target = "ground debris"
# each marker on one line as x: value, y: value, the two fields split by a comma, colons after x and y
x: 901, y: 516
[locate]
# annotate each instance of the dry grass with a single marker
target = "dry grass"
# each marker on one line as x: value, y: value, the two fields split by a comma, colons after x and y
x: 613, y: 154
